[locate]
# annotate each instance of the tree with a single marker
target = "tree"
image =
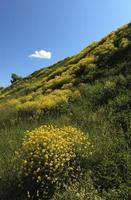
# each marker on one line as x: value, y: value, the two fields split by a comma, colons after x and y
x: 1, y: 88
x: 15, y: 77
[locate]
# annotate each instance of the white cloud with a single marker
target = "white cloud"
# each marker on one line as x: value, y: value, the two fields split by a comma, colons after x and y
x: 42, y: 54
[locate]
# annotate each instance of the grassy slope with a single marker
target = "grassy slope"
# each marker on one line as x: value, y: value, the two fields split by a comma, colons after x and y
x: 90, y: 90
x: 98, y: 62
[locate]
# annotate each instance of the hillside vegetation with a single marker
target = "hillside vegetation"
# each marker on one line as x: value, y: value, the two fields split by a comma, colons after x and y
x: 88, y: 94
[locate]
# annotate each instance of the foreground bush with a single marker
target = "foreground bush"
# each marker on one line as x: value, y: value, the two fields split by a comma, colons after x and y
x: 80, y: 190
x: 50, y: 158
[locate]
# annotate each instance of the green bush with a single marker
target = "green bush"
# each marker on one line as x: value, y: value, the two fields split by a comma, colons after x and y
x: 121, y: 193
x: 83, y: 189
x: 111, y: 165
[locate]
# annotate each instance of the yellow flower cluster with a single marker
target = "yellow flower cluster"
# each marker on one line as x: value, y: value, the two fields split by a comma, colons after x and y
x: 43, y: 102
x: 48, y: 155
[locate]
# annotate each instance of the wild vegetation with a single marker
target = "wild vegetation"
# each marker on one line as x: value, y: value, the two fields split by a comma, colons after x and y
x: 78, y: 117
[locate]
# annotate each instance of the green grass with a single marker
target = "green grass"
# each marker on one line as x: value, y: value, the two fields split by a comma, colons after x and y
x: 10, y: 141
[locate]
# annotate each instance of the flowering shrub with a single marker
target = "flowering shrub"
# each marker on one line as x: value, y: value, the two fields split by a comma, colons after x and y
x: 50, y: 158
x: 124, y: 42
x: 52, y: 103
x: 79, y: 190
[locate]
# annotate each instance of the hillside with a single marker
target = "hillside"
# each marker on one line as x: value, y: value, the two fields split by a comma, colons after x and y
x: 90, y: 91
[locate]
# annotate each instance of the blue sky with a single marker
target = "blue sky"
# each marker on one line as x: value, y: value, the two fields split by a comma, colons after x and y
x: 59, y: 28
